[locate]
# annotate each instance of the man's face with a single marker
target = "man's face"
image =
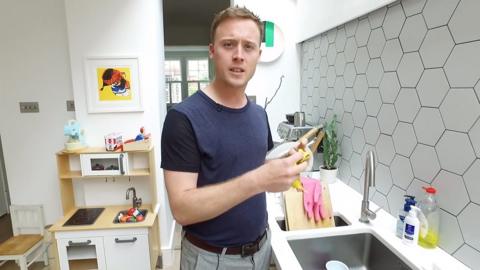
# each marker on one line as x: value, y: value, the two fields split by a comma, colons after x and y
x: 235, y: 51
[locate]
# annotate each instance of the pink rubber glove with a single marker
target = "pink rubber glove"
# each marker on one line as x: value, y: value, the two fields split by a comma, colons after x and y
x: 308, y: 195
x: 319, y: 208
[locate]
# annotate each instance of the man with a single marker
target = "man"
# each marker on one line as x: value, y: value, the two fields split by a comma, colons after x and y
x: 213, y: 154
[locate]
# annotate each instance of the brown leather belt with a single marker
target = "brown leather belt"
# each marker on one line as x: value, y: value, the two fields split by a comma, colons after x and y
x: 244, y: 250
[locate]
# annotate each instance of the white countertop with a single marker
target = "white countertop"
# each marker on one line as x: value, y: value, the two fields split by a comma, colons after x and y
x: 346, y: 202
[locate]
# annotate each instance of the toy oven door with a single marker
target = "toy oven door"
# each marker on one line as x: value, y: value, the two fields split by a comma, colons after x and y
x: 104, y: 164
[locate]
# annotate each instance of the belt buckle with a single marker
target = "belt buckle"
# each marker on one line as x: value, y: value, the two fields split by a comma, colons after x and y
x: 249, y: 249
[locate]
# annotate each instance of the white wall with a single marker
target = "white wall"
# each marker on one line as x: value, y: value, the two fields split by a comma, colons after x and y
x: 267, y: 76
x: 315, y: 17
x: 107, y: 28
x: 34, y: 67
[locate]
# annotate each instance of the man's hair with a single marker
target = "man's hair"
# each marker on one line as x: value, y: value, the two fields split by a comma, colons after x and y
x: 235, y: 12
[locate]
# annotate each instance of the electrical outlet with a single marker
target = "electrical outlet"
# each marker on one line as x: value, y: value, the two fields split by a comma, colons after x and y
x: 29, y: 107
x: 70, y: 106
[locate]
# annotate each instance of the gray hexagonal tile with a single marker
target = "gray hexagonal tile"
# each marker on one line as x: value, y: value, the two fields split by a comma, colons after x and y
x: 365, y: 151
x: 330, y: 98
x: 401, y: 170
x: 344, y: 170
x: 346, y: 148
x: 393, y: 22
x: 373, y: 101
x: 338, y: 108
x: 477, y: 90
x: 404, y: 139
x: 356, y: 165
x: 425, y: 163
x: 317, y: 40
x: 381, y: 200
x: 361, y: 60
x: 331, y: 35
x: 339, y: 129
x: 451, y: 236
x: 464, y: 21
x: 432, y: 87
x: 347, y: 123
x: 371, y: 130
x: 310, y: 48
x: 376, y: 43
x: 351, y: 28
x: 395, y: 198
x: 358, y: 140
x: 363, y: 32
x: 407, y: 104
x: 455, y: 152
x: 472, y: 182
x: 316, y: 58
x: 310, y: 87
x: 339, y: 87
x: 315, y: 115
x: 383, y: 179
x: 385, y: 149
x: 340, y: 64
x: 348, y: 100
x: 451, y: 193
x: 359, y: 114
x: 389, y: 87
x: 349, y: 74
x: 474, y: 135
x: 412, y: 7
x: 331, y: 76
x: 360, y: 87
x: 438, y: 12
x: 322, y: 106
x: 323, y: 67
x: 376, y: 17
x: 323, y: 87
x: 391, y: 55
x: 436, y: 47
x: 468, y: 256
x: 387, y: 119
x: 355, y: 184
x: 350, y: 49
x: 413, y: 32
x: 460, y: 109
x: 463, y: 65
x: 323, y: 45
x: 331, y: 54
x: 428, y: 126
x: 340, y: 40
x: 374, y: 72
x: 410, y: 69
x: 416, y: 189
x: 469, y: 222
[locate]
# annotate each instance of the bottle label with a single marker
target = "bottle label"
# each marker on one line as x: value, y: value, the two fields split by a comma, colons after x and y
x: 409, y: 230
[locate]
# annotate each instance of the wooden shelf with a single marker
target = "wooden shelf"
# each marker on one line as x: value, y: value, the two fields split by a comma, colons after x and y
x: 78, y: 174
x: 98, y: 150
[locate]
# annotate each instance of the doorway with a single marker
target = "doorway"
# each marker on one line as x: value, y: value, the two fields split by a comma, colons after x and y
x: 5, y: 222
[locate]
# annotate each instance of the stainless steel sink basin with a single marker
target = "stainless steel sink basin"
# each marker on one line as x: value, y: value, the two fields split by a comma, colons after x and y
x: 124, y: 212
x: 339, y: 222
x: 358, y: 251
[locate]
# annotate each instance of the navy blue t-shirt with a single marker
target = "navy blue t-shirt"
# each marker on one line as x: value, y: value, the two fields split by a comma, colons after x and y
x: 219, y: 143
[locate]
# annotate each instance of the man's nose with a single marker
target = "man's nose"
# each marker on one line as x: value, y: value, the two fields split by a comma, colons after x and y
x: 238, y: 54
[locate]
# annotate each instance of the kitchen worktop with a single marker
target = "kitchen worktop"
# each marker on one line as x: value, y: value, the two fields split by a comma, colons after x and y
x: 105, y: 220
x: 346, y: 202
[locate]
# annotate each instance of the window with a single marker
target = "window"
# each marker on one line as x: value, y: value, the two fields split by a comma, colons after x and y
x: 185, y: 73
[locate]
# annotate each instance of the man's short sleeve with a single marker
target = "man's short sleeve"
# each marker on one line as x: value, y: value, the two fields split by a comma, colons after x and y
x: 179, y: 145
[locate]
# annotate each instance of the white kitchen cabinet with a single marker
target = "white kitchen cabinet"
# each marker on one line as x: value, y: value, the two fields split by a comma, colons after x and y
x: 81, y: 252
x: 120, y: 249
x: 127, y: 252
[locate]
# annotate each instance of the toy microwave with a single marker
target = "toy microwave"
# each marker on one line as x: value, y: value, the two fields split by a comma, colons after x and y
x: 104, y: 164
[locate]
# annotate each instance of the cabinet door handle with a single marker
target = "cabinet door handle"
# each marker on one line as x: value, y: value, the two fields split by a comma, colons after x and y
x: 122, y: 170
x: 133, y: 240
x: 79, y: 244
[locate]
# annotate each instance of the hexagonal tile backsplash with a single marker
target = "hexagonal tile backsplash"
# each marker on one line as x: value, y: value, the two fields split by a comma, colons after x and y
x: 406, y: 83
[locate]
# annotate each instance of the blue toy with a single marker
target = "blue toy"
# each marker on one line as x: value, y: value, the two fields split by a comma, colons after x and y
x: 76, y: 138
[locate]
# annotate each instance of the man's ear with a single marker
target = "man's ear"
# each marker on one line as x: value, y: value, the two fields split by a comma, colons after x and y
x: 211, y: 50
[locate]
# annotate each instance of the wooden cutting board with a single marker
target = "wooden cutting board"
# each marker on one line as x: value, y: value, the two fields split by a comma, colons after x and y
x: 296, y: 217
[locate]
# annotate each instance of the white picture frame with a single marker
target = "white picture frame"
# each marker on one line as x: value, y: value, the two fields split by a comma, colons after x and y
x: 112, y: 84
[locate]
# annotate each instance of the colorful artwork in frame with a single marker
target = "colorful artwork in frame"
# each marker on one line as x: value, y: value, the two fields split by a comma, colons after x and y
x: 112, y: 84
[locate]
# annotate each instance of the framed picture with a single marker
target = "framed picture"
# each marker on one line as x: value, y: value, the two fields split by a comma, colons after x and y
x: 112, y: 84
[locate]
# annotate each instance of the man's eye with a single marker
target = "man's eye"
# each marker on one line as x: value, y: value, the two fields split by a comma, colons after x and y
x: 227, y: 44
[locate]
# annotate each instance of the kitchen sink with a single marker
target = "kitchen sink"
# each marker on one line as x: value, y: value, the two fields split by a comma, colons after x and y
x: 339, y: 222
x: 124, y: 212
x: 360, y: 251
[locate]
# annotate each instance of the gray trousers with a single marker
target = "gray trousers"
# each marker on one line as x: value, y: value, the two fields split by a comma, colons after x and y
x: 194, y: 258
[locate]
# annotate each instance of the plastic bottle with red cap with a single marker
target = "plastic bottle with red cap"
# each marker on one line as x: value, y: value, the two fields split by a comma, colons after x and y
x: 429, y: 207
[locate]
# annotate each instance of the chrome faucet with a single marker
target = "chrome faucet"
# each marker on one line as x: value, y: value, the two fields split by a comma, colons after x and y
x: 366, y: 214
x: 136, y: 202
